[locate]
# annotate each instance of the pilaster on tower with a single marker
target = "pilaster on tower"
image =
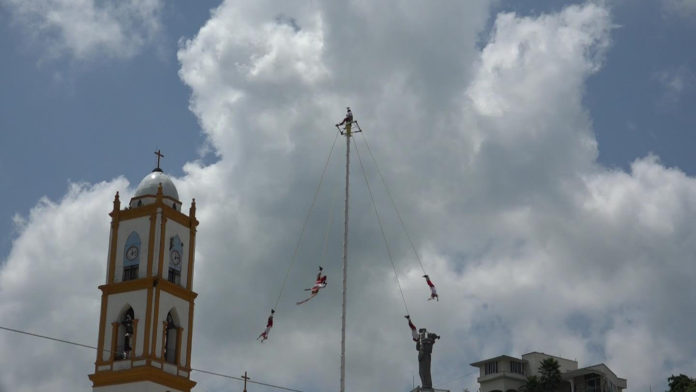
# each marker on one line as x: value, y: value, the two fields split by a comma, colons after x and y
x: 146, y: 320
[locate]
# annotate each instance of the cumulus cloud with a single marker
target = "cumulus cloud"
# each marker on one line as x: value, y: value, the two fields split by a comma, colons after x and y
x: 48, y: 285
x: 492, y: 159
x: 87, y: 29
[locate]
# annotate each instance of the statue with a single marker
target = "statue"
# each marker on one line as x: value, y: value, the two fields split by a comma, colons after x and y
x: 424, y: 345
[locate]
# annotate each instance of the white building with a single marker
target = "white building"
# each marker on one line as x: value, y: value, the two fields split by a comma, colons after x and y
x: 146, y: 320
x: 507, y: 374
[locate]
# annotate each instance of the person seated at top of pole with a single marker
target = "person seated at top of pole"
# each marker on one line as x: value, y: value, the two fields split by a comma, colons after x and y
x: 347, y: 121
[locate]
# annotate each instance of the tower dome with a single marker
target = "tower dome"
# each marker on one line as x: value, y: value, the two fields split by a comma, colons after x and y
x: 146, y: 192
x: 148, y: 186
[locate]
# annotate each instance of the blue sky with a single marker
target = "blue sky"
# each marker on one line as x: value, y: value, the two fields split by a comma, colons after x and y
x: 518, y: 166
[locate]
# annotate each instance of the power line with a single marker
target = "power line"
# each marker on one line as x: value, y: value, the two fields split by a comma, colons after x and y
x: 49, y: 338
x: 95, y: 348
x: 241, y: 379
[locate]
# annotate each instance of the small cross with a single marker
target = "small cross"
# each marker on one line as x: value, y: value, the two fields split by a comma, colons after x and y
x: 159, y: 155
x: 245, y: 380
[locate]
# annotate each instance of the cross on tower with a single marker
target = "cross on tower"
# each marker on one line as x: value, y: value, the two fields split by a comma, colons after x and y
x: 245, y: 380
x: 159, y: 155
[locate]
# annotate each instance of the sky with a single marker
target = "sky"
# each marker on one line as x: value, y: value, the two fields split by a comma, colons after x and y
x: 538, y: 153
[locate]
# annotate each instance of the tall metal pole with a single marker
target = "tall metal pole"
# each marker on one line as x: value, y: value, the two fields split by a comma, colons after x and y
x: 345, y: 262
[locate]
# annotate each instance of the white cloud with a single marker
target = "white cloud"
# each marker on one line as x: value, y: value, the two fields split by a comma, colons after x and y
x: 492, y: 159
x: 48, y: 285
x: 88, y: 29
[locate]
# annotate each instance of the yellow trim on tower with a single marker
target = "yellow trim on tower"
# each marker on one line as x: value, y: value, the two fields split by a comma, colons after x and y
x: 102, y: 328
x: 148, y: 316
x: 113, y: 239
x: 151, y: 243
x: 154, y: 321
x: 192, y: 254
x: 138, y: 212
x: 134, y: 342
x: 160, y: 259
x: 114, y: 342
x: 177, y: 358
x: 189, y: 335
x: 177, y: 291
x: 141, y: 373
x: 113, y: 242
x: 129, y: 285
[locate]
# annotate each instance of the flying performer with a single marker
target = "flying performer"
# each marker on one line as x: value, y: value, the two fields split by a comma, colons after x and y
x: 433, y: 292
x: 264, y: 335
x: 319, y: 284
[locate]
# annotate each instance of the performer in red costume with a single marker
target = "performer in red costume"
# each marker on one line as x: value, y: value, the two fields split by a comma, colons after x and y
x: 269, y: 325
x: 319, y: 284
x: 433, y: 292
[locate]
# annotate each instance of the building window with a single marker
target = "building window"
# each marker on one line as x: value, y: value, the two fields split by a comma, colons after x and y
x: 130, y: 272
x: 125, y: 336
x: 171, y: 335
x: 491, y: 367
x: 516, y: 367
x: 592, y: 383
x: 174, y: 276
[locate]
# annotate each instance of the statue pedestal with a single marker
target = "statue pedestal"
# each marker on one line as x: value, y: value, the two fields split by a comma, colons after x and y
x: 420, y: 389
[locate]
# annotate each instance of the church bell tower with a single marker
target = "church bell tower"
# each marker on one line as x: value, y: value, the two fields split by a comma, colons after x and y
x: 146, y: 320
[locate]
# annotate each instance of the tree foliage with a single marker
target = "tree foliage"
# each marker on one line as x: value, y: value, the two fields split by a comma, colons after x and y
x: 681, y: 383
x: 548, y: 380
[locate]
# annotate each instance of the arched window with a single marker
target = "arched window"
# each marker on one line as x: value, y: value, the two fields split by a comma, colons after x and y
x: 131, y: 257
x: 171, y: 337
x: 125, y: 335
x: 176, y: 252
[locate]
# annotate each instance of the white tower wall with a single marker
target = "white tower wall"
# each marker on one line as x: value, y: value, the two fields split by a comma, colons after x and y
x: 150, y: 273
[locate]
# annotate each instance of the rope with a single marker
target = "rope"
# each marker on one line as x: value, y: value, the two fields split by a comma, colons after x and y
x: 381, y: 228
x: 413, y: 246
x: 330, y: 223
x: 304, y: 225
x: 95, y: 348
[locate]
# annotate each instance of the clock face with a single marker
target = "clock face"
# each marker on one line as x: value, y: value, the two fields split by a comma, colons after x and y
x: 132, y: 252
x: 175, y: 257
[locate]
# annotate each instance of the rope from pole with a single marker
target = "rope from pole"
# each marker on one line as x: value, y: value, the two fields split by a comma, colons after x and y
x: 398, y: 214
x: 329, y: 225
x: 304, y: 224
x: 381, y: 228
